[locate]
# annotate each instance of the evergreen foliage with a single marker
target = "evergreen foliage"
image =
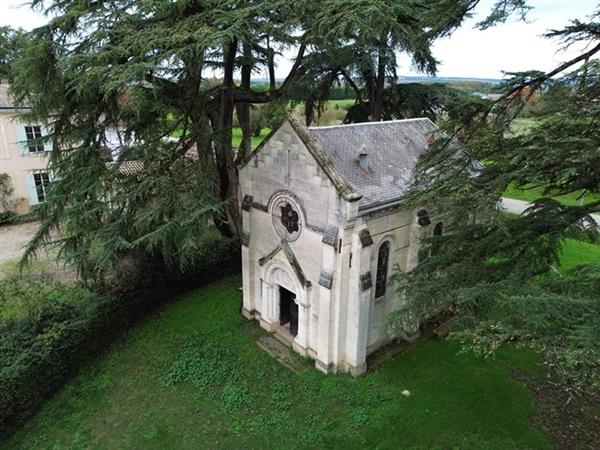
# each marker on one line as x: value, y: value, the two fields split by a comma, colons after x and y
x: 499, y: 271
x: 359, y: 42
x: 9, y: 42
x: 126, y: 76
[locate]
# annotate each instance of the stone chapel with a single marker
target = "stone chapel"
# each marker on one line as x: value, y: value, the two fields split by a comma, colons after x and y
x: 323, y: 231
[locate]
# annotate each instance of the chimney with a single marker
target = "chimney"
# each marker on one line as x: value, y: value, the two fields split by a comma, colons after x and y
x: 363, y: 158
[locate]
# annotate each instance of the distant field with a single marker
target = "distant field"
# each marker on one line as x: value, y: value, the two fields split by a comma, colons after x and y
x: 236, y: 137
x: 342, y: 103
x: 530, y: 195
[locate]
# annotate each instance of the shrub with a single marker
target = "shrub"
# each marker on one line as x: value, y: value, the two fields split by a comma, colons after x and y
x: 7, y: 217
x: 48, y: 330
x: 6, y: 190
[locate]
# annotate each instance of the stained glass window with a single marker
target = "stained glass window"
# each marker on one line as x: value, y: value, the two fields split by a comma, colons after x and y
x: 382, y: 269
x: 289, y: 218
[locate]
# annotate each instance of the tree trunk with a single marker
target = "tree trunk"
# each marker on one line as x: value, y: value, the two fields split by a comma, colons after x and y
x: 243, y: 108
x: 271, y: 66
x: 229, y: 222
x: 377, y: 101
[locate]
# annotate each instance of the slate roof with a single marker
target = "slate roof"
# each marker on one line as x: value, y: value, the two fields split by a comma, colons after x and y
x: 5, y: 100
x: 393, y: 148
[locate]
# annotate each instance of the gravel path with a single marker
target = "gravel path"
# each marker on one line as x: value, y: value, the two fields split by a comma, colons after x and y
x: 13, y: 239
x: 518, y: 206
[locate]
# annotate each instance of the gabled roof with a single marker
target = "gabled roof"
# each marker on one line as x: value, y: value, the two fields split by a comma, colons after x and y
x: 393, y: 148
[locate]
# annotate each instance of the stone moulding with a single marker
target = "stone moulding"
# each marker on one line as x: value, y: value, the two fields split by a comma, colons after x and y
x: 365, y: 281
x: 245, y: 239
x: 264, y: 208
x: 326, y: 280
x: 247, y: 202
x: 330, y: 235
x: 365, y: 237
x: 289, y: 254
x: 260, y: 207
x: 265, y: 259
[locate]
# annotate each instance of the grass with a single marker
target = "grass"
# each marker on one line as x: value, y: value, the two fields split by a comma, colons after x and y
x: 576, y: 252
x: 522, y: 125
x: 530, y: 195
x: 191, y: 376
x: 236, y: 136
x: 333, y: 113
x: 341, y: 103
x: 256, y: 140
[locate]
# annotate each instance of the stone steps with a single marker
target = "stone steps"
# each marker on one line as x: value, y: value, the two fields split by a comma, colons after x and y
x: 279, y: 351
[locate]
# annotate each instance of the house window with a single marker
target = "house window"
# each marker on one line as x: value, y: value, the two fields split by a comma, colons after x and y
x: 382, y: 269
x: 42, y: 183
x: 34, y: 139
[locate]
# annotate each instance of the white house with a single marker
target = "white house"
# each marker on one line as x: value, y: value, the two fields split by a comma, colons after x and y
x: 322, y: 232
x: 23, y: 156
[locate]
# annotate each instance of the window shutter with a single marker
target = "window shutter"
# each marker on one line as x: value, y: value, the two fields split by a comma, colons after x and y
x: 32, y: 192
x: 47, y: 143
x: 22, y: 139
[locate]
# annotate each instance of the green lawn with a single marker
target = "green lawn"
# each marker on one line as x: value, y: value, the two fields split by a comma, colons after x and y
x: 237, y: 137
x: 576, y: 252
x: 341, y: 103
x: 530, y: 195
x: 191, y: 376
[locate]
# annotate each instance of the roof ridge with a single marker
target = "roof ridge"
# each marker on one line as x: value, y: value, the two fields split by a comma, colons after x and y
x: 348, y: 125
x: 314, y: 147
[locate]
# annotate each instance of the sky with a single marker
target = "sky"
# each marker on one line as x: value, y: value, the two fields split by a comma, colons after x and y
x: 468, y: 52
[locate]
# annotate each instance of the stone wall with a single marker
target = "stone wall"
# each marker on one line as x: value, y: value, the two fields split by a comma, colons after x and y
x: 285, y: 166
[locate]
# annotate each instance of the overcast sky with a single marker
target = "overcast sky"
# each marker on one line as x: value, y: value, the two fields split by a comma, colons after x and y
x: 514, y: 46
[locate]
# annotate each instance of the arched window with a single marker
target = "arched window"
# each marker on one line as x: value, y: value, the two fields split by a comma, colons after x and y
x: 382, y: 269
x: 437, y: 231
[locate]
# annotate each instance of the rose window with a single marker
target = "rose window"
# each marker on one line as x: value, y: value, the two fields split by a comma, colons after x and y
x: 289, y: 218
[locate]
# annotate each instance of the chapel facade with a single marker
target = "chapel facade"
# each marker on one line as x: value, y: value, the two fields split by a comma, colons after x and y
x: 323, y: 232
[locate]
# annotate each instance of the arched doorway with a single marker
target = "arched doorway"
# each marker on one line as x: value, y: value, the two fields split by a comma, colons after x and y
x: 284, y: 304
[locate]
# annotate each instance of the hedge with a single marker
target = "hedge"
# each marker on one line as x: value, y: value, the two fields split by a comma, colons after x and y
x: 49, y: 330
